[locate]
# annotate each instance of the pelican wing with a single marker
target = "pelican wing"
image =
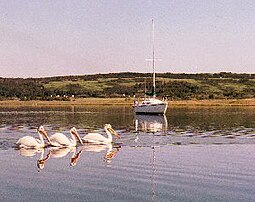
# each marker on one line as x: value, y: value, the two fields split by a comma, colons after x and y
x: 28, y: 142
x: 59, y: 139
x: 95, y: 138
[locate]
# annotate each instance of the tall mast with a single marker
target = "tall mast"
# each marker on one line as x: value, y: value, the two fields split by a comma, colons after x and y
x: 153, y: 60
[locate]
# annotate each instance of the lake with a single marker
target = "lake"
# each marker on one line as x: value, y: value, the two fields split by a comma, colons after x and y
x: 191, y: 154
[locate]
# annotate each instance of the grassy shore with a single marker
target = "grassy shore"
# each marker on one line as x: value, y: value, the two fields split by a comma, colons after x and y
x: 123, y: 101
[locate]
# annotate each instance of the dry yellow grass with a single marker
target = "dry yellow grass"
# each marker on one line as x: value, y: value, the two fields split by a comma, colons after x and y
x: 219, y: 102
x: 82, y: 101
x: 124, y: 101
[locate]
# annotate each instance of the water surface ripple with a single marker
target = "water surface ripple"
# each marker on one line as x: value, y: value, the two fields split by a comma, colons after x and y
x: 191, y: 154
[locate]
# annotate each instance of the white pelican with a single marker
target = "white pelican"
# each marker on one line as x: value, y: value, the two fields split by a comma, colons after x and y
x: 31, y: 142
x: 100, y: 139
x: 60, y: 140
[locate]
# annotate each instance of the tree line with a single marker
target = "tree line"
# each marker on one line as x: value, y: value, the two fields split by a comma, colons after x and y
x: 173, y: 86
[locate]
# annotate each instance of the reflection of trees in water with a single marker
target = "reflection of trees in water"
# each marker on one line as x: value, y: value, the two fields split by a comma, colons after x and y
x: 210, y: 118
x: 67, y: 116
x: 89, y: 118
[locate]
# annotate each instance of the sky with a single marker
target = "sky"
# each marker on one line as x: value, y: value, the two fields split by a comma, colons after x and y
x: 62, y: 37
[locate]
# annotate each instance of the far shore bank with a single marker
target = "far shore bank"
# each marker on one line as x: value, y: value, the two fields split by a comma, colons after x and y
x: 125, y: 101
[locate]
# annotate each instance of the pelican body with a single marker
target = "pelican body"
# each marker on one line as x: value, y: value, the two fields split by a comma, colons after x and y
x: 30, y: 142
x: 100, y: 139
x: 60, y: 140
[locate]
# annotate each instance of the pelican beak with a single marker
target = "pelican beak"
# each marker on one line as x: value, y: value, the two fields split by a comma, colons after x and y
x: 114, y: 133
x: 73, y: 162
x: 44, y: 133
x: 40, y: 164
x: 75, y: 133
x: 47, y: 137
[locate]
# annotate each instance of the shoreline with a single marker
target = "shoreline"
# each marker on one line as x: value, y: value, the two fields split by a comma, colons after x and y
x: 127, y: 102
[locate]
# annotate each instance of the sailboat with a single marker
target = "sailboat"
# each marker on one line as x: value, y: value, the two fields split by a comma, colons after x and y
x: 151, y: 105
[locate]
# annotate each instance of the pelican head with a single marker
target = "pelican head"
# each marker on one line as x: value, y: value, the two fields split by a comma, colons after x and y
x: 40, y: 164
x: 109, y: 128
x: 73, y: 162
x: 42, y: 131
x: 75, y: 133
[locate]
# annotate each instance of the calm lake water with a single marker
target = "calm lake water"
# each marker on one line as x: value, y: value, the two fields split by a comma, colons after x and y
x: 191, y: 154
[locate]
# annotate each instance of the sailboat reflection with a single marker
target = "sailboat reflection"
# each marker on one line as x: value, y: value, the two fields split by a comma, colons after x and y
x: 150, y: 123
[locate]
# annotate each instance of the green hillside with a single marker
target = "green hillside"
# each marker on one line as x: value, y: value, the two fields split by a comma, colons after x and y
x: 173, y: 86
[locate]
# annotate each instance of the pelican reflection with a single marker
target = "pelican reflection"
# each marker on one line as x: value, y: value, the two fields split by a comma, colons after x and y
x: 110, y: 150
x: 30, y: 152
x: 111, y: 153
x: 42, y: 160
x: 60, y: 152
x: 53, y: 152
x: 75, y: 157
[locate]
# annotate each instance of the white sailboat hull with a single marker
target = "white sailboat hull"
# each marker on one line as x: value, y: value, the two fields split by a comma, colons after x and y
x: 150, y: 108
